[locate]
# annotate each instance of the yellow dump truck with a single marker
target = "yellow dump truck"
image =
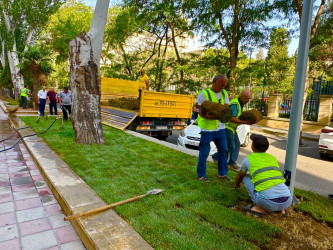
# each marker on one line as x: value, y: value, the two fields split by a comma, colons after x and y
x: 155, y: 113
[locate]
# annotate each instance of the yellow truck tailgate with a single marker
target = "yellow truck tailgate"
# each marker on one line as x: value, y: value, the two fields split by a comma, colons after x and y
x: 165, y: 105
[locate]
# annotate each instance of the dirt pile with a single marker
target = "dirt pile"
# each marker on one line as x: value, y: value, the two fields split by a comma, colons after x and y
x: 125, y: 103
x: 221, y: 112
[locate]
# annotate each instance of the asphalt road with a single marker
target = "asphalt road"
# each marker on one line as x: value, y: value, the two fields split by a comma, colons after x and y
x: 312, y: 173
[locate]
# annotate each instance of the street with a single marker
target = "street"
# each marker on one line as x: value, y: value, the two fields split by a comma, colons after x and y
x: 312, y: 173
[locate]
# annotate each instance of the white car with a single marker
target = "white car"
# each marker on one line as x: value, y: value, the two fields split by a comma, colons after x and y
x: 190, y: 137
x: 326, y: 141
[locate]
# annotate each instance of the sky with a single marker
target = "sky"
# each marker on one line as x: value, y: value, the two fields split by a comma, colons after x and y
x: 292, y: 47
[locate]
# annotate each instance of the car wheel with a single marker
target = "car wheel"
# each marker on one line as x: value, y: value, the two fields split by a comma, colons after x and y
x: 324, y: 155
x: 246, y: 140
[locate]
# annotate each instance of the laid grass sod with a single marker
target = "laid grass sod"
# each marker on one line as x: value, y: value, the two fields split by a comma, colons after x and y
x: 188, y: 215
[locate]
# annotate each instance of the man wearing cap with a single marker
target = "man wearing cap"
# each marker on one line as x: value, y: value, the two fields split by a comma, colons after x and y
x: 264, y: 183
x: 213, y: 130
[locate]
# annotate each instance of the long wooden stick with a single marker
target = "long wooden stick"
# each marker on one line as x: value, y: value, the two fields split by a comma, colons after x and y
x: 104, y: 208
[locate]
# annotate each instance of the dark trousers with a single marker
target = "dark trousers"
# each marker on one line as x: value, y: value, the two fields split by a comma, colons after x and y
x: 42, y: 106
x: 65, y: 109
x: 25, y: 101
x: 220, y: 140
x: 53, y: 105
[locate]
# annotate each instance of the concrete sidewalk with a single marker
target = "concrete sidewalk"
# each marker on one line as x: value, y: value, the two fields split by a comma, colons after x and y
x: 306, y: 136
x: 30, y: 216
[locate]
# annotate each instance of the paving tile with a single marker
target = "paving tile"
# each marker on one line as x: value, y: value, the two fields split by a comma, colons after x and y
x: 33, y: 167
x: 30, y: 163
x: 55, y: 248
x: 23, y: 187
x: 57, y: 221
x: 48, y: 200
x: 3, y: 170
x: 17, y: 169
x: 38, y: 241
x: 4, y: 177
x: 5, y: 190
x: 25, y: 194
x: 74, y: 245
x: 28, y: 203
x: 7, y: 219
x: 8, y: 232
x: 11, y: 244
x: 44, y: 191
x: 6, y: 197
x: 30, y: 214
x: 53, y: 209
x: 19, y: 174
x: 37, y: 178
x: 34, y: 226
x: 4, y: 183
x: 7, y: 207
x: 65, y: 234
x: 41, y: 184
x: 34, y: 172
x: 21, y: 180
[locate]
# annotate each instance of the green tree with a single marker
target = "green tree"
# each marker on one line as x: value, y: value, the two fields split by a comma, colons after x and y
x: 20, y: 24
x: 278, y: 62
x: 37, y: 62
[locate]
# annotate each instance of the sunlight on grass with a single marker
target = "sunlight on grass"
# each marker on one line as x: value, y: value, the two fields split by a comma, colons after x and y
x: 188, y: 215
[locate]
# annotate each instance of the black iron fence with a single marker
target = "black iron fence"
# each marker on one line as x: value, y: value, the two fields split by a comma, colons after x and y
x: 312, y: 103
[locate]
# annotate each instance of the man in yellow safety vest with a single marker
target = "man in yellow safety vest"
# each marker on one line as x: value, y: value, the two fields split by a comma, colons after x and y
x: 213, y: 130
x: 264, y: 183
x: 24, y: 96
x: 236, y: 105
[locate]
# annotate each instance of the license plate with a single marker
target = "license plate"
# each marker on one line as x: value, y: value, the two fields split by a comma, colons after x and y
x: 161, y: 127
x: 193, y: 143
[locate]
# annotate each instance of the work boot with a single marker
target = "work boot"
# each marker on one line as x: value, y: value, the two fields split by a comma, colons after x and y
x: 234, y: 167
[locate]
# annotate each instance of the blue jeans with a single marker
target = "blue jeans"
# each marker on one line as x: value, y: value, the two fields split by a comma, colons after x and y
x: 220, y: 140
x: 42, y: 106
x: 267, y: 205
x: 233, y: 146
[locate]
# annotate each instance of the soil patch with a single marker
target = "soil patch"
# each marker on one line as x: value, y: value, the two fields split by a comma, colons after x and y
x: 299, y: 231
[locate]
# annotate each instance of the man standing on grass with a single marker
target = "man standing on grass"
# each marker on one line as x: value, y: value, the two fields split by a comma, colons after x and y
x: 213, y: 130
x: 264, y: 183
x: 65, y: 101
x: 52, y: 98
x: 42, y: 100
x: 236, y: 105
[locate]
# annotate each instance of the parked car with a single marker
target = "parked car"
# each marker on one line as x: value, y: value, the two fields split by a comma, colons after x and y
x: 326, y: 141
x: 190, y: 137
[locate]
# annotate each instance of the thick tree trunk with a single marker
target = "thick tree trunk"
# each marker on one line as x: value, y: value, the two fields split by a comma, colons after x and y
x: 85, y: 86
x: 16, y: 77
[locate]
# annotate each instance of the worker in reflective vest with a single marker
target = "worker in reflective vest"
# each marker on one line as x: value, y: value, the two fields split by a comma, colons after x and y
x: 264, y: 183
x: 24, y: 96
x: 213, y: 130
x: 236, y: 105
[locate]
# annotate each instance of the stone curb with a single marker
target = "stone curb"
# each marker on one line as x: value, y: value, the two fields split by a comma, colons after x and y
x: 104, y: 230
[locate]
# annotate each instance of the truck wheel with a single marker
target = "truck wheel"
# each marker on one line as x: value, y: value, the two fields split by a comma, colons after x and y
x: 161, y: 136
x: 324, y: 155
x: 246, y: 140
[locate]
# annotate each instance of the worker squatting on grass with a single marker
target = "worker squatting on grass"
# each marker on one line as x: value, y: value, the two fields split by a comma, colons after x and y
x: 264, y: 183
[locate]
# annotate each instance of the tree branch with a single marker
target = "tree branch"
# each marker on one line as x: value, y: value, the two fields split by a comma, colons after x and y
x: 316, y: 21
x: 299, y: 8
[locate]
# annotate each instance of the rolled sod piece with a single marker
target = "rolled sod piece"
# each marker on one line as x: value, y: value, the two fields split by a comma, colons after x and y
x: 221, y: 112
x: 252, y: 115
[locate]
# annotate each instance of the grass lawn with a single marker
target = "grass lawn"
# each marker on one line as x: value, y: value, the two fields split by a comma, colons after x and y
x: 188, y: 215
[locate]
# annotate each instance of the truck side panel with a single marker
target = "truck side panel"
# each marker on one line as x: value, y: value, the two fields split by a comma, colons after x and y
x: 166, y: 105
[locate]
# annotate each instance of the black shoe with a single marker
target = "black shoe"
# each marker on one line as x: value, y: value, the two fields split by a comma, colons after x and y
x: 330, y: 196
